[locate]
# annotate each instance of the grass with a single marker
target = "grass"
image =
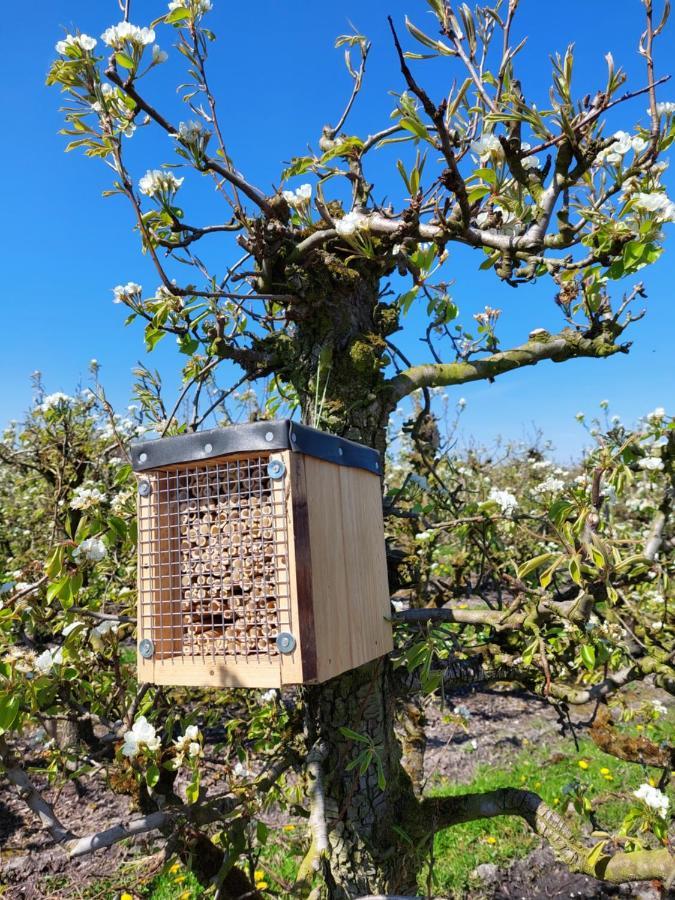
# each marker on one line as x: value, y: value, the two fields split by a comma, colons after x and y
x: 458, y: 850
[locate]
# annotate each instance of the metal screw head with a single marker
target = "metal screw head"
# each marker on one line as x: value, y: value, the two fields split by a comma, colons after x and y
x: 208, y: 448
x: 146, y: 648
x: 142, y: 457
x: 269, y: 436
x: 144, y: 488
x: 286, y: 642
x: 276, y: 468
x: 294, y: 439
x: 340, y: 451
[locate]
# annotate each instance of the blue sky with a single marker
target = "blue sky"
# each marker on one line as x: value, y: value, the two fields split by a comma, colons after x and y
x: 279, y: 80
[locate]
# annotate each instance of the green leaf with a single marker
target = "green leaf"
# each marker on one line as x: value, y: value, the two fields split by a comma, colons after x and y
x: 588, y: 656
x: 177, y: 15
x: 9, y: 710
x: 152, y: 775
x: 477, y: 193
x: 124, y: 60
x: 575, y: 570
x: 353, y: 735
x: 536, y: 563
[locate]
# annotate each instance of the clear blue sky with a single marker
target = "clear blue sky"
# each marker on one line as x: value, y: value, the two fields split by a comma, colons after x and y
x: 279, y: 80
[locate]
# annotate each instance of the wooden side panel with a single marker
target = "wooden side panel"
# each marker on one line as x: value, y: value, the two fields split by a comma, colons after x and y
x: 332, y: 622
x: 366, y: 565
x: 158, y: 600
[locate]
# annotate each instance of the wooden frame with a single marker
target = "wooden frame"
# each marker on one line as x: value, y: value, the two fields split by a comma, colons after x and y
x: 317, y: 573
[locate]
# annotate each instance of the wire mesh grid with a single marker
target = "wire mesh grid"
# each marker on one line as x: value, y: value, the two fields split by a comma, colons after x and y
x: 213, y: 562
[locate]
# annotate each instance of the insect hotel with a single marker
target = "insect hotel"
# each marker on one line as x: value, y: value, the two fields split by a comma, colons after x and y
x: 261, y: 557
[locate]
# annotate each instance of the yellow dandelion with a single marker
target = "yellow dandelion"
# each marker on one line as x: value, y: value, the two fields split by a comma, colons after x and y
x: 288, y: 827
x: 125, y: 896
x: 652, y: 782
x: 179, y: 879
x: 537, y: 784
x: 259, y: 875
x: 185, y: 895
x: 639, y: 727
x: 490, y: 839
x: 583, y: 763
x: 556, y: 801
x: 605, y: 771
x: 608, y: 777
x: 261, y: 885
x: 522, y: 779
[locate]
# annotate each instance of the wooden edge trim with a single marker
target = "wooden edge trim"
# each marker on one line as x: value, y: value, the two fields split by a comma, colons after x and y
x: 303, y: 567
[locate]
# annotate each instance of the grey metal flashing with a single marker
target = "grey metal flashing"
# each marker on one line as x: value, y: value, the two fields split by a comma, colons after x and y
x: 250, y: 438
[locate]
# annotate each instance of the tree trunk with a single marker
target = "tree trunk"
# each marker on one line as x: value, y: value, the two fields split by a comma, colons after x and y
x: 337, y: 368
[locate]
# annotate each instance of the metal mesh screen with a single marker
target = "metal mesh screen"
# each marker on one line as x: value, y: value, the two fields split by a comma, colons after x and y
x: 213, y: 562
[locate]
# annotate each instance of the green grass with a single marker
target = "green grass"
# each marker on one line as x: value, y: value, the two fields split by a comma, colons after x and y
x: 458, y: 850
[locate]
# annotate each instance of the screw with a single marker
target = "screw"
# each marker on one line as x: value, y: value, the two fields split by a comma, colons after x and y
x: 276, y: 468
x: 143, y: 457
x: 146, y: 648
x: 269, y: 436
x: 208, y: 448
x: 286, y: 642
x: 340, y: 451
x: 144, y: 488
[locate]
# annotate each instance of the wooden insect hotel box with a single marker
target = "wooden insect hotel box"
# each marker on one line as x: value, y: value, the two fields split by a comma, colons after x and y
x: 261, y: 557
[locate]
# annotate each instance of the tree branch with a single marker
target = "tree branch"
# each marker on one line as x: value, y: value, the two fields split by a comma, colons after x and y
x: 567, y: 344
x: 443, y: 812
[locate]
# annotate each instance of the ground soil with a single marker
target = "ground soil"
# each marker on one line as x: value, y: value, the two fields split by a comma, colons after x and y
x: 501, y: 724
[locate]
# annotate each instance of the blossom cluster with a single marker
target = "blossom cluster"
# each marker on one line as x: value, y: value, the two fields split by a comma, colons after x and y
x: 142, y: 735
x: 196, y: 7
x: 623, y: 144
x: 653, y: 798
x: 57, y: 400
x: 657, y: 202
x: 188, y: 745
x: 117, y: 36
x: 505, y: 500
x: 348, y: 225
x: 93, y: 549
x: 79, y: 41
x: 299, y: 198
x: 86, y: 497
x: 158, y: 183
x: 126, y: 293
x: 46, y: 661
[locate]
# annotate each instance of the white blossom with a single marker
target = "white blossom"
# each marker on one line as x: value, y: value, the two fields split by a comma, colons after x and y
x: 94, y: 550
x: 46, y: 661
x: 97, y: 634
x: 665, y: 108
x: 86, y: 497
x: 117, y: 35
x: 348, y: 225
x: 54, y: 401
x: 488, y: 147
x: 461, y: 403
x: 269, y: 696
x: 157, y: 182
x: 653, y: 798
x: 505, y: 500
x: 193, y: 134
x: 197, y: 7
x: 651, y: 464
x: 657, y: 202
x: 141, y: 735
x: 549, y: 485
x: 659, y: 707
x: 188, y: 744
x: 604, y: 404
x: 123, y: 293
x: 82, y: 41
x: 656, y: 415
x: 622, y: 145
x: 299, y: 198
x: 158, y: 55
